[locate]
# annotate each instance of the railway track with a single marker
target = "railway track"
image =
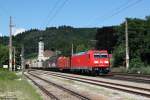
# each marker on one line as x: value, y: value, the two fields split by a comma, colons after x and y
x: 131, y: 77
x: 44, y: 90
x: 123, y: 87
x: 129, y: 74
x: 78, y: 96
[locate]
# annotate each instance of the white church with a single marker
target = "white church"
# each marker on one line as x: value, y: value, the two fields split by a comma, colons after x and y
x: 42, y: 56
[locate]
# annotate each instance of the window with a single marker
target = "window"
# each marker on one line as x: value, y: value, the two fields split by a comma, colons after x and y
x: 98, y: 55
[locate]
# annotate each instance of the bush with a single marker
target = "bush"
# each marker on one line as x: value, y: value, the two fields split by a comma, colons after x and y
x: 118, y: 56
x: 145, y: 70
x: 120, y: 69
x: 136, y: 63
x: 3, y: 55
x: 136, y: 66
x: 140, y: 70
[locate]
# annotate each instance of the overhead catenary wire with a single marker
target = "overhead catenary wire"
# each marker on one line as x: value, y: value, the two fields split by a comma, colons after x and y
x: 56, y: 12
x: 126, y: 7
x: 50, y: 12
x: 121, y: 9
x: 115, y: 9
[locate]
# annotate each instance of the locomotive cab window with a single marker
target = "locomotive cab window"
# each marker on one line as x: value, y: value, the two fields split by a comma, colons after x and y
x: 104, y: 56
x: 98, y: 55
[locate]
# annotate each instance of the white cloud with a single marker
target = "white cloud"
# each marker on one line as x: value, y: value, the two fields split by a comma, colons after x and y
x: 1, y: 34
x: 18, y: 30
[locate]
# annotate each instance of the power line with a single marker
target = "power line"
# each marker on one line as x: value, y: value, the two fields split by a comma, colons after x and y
x: 121, y: 9
x: 128, y: 6
x: 50, y: 12
x: 115, y: 9
x: 57, y: 11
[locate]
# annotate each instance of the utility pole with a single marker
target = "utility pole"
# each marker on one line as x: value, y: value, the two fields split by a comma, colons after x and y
x: 10, y: 44
x: 72, y: 49
x: 127, y: 47
x: 22, y: 58
x: 14, y: 58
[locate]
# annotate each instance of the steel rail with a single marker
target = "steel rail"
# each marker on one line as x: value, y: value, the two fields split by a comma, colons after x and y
x: 98, y: 83
x: 43, y: 89
x: 63, y: 88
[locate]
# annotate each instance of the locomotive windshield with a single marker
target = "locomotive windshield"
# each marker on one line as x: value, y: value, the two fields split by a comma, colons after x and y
x: 98, y: 55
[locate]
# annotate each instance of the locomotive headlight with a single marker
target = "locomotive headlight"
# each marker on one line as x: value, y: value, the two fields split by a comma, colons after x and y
x: 106, y: 62
x: 95, y: 62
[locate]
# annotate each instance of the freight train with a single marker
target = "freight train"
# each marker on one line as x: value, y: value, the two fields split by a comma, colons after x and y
x: 93, y: 61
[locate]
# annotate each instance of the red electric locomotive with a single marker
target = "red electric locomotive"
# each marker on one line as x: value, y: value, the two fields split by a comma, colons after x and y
x: 92, y: 61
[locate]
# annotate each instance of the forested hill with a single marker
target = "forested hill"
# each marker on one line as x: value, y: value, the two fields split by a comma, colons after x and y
x: 54, y: 38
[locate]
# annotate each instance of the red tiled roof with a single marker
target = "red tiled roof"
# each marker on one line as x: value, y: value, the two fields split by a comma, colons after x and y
x: 48, y: 53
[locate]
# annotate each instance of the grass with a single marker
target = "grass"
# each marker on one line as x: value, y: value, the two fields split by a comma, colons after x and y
x: 140, y: 70
x: 11, y: 85
x: 119, y: 69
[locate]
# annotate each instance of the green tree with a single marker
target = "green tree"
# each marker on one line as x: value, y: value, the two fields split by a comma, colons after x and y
x: 81, y: 48
x: 3, y: 55
x: 139, y: 42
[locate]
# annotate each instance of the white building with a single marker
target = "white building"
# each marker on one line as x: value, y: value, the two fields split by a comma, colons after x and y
x: 41, y: 51
x: 42, y: 56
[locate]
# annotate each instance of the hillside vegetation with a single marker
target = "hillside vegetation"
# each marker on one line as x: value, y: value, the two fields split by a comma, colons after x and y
x: 54, y: 38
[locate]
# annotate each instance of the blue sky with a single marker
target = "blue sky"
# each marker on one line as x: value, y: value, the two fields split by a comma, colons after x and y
x: 39, y: 14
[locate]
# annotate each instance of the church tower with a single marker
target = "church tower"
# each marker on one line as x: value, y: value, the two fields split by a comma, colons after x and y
x: 41, y: 50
